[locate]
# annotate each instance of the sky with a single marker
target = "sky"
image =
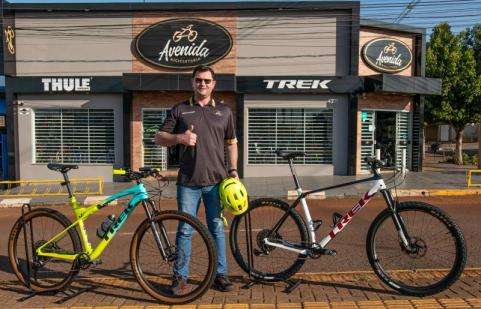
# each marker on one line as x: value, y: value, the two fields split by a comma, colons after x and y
x: 460, y: 14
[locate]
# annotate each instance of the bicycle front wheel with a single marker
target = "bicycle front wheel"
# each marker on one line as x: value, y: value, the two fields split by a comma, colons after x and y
x: 269, y: 263
x: 438, y: 250
x: 155, y: 270
x: 46, y: 273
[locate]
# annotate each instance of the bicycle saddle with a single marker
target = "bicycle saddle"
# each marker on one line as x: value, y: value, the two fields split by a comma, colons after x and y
x: 290, y: 155
x: 63, y: 168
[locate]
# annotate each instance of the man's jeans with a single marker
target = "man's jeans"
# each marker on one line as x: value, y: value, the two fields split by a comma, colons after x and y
x: 188, y: 200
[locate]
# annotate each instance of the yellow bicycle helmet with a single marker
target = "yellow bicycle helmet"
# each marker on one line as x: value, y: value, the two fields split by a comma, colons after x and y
x: 233, y: 196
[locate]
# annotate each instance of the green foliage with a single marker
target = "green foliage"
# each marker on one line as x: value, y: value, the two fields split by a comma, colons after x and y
x: 453, y: 59
x: 475, y: 160
x: 465, y: 158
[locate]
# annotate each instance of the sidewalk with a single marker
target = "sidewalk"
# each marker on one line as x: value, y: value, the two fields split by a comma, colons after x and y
x: 317, y: 290
x: 437, y: 180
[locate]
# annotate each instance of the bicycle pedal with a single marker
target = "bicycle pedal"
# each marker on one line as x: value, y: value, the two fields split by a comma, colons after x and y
x: 316, y: 224
x: 96, y: 262
x: 329, y: 252
x: 336, y: 218
x: 259, y: 253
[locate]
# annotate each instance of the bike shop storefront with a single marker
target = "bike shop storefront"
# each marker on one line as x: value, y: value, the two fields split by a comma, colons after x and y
x: 68, y: 120
x: 390, y: 119
x: 296, y: 113
x: 389, y: 132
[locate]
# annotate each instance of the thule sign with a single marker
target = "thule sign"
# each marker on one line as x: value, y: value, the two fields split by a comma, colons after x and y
x: 66, y: 84
x: 297, y: 83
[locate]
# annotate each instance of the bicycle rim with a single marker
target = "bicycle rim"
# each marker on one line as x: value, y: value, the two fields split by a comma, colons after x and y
x: 156, y: 274
x: 439, y: 256
x: 46, y: 274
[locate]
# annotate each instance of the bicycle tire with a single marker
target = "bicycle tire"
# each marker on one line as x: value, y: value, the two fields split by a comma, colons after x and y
x: 46, y: 274
x: 265, y: 212
x: 151, y: 275
x: 445, y: 262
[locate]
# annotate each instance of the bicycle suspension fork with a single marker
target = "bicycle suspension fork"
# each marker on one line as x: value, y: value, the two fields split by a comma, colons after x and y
x: 157, y: 234
x: 397, y: 220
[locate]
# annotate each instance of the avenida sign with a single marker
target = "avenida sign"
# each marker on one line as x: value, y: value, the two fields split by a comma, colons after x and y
x: 183, y: 43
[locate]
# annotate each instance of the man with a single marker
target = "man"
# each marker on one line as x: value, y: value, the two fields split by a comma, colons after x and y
x: 202, y: 127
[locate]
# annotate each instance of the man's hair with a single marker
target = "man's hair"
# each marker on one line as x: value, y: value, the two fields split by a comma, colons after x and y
x: 203, y: 68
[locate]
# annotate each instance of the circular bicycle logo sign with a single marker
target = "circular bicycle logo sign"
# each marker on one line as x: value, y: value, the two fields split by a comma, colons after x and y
x: 387, y: 55
x: 183, y: 43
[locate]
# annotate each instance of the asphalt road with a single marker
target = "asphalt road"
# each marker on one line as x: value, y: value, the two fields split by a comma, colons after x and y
x: 350, y: 244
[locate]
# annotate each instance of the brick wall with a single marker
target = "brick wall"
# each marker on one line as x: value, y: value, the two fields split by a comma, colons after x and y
x: 154, y: 99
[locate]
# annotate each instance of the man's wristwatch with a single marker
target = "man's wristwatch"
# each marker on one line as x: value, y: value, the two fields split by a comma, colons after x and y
x: 232, y: 170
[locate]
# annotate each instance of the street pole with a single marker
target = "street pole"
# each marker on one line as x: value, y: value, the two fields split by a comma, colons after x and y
x: 479, y: 145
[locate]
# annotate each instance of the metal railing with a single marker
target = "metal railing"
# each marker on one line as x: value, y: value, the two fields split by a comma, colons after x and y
x: 469, y: 180
x: 31, y: 188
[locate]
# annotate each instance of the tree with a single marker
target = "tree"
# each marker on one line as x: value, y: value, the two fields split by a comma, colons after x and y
x: 472, y: 39
x: 450, y: 58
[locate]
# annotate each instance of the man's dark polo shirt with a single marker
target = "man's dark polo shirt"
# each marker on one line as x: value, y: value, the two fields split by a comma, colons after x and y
x: 202, y: 164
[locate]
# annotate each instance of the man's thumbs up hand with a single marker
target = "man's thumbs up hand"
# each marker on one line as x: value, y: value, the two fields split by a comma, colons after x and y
x: 188, y: 138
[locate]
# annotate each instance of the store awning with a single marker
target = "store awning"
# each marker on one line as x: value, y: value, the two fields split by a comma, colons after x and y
x: 171, y: 82
x: 402, y: 84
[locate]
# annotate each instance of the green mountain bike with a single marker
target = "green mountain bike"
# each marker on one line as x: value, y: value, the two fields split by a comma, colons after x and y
x: 47, y: 250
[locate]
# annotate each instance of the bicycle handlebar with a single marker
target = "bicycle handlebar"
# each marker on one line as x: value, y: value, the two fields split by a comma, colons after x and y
x: 143, y: 172
x: 374, y: 163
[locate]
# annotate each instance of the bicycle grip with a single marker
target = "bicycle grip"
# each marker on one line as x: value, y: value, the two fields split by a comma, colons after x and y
x: 119, y: 172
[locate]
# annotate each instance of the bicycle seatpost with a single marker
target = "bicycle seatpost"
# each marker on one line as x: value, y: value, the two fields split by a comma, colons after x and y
x: 67, y: 183
x: 294, y: 174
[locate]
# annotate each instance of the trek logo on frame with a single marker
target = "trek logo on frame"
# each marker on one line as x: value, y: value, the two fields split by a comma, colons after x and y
x: 67, y: 84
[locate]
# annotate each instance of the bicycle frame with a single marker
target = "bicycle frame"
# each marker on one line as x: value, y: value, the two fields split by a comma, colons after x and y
x: 379, y: 185
x: 140, y: 195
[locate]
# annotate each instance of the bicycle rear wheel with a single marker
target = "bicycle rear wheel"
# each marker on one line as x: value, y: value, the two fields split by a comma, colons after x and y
x: 46, y: 273
x: 439, y: 256
x: 155, y: 273
x: 269, y: 263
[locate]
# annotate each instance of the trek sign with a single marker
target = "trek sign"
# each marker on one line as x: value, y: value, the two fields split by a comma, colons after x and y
x: 183, y: 43
x: 387, y: 55
x: 296, y: 83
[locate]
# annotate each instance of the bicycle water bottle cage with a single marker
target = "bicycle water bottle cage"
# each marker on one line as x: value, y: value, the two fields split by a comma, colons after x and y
x: 290, y: 155
x: 317, y: 224
x: 336, y: 218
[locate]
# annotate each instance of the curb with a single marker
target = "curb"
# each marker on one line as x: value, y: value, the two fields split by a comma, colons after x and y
x: 291, y: 195
x: 438, y: 192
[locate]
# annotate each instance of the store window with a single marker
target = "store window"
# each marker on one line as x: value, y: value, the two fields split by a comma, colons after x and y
x: 74, y: 136
x: 154, y: 155
x: 294, y: 129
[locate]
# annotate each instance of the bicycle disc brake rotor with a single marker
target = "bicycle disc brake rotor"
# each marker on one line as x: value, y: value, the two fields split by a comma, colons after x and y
x: 419, y: 248
x: 263, y: 235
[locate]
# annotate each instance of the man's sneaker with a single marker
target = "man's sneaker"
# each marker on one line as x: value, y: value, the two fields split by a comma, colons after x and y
x: 222, y: 283
x: 178, y: 285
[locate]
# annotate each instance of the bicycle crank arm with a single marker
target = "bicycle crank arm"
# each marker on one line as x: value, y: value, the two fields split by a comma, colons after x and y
x: 283, y: 244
